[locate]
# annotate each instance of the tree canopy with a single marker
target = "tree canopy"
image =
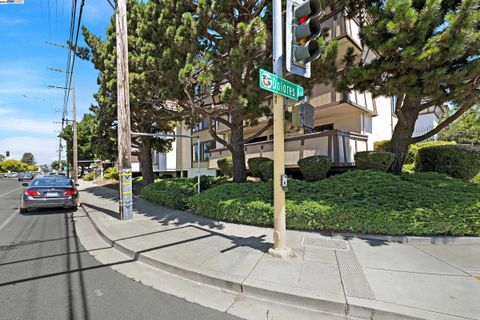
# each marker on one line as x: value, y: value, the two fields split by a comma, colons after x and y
x: 427, y: 55
x: 466, y: 129
x: 28, y: 158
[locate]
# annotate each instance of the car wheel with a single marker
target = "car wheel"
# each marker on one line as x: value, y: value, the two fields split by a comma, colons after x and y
x: 23, y: 210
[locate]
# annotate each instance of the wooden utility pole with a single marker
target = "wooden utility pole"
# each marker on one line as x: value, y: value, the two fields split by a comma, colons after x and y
x: 123, y: 111
x: 75, y: 142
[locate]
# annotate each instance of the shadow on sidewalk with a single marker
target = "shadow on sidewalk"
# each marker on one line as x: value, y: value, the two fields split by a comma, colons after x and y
x: 183, y: 220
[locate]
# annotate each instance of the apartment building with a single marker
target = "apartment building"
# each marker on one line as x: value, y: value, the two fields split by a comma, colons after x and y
x: 345, y: 122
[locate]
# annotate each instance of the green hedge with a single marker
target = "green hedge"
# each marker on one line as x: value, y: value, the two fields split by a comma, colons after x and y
x: 384, y: 145
x: 254, y: 165
x: 174, y: 192
x: 89, y: 176
x: 376, y: 160
x: 362, y: 201
x: 225, y: 165
x: 458, y: 161
x: 266, y: 170
x: 314, y: 167
x: 111, y: 173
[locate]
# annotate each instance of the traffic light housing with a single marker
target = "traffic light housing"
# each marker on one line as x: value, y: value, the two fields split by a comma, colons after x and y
x: 302, y: 29
x: 7, y: 153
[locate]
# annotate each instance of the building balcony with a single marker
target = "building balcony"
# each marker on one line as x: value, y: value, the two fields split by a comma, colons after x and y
x: 339, y: 146
x: 324, y: 96
x: 345, y: 30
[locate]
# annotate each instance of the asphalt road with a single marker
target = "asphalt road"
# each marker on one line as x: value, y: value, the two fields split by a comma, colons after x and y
x: 45, y: 273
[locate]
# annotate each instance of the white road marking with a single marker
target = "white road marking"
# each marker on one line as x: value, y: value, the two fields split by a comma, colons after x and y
x: 14, y: 212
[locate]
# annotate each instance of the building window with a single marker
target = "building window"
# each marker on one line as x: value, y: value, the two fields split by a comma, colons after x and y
x: 202, y: 124
x: 325, y: 127
x: 206, y: 147
x: 195, y: 152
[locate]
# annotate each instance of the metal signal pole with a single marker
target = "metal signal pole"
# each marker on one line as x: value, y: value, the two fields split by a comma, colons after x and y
x: 123, y: 111
x: 280, y: 249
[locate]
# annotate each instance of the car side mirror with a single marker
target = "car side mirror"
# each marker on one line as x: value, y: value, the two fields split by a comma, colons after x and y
x: 25, y: 184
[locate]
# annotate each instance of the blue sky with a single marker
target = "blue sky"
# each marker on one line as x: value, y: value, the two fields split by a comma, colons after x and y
x: 28, y: 108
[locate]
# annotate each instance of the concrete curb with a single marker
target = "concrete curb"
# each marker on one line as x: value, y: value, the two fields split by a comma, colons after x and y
x: 409, y: 239
x: 349, y: 310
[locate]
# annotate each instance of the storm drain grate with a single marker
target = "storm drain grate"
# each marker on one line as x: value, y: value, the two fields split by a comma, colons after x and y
x: 333, y: 244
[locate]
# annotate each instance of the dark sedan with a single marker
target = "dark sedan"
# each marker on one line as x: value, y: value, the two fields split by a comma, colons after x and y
x: 49, y: 193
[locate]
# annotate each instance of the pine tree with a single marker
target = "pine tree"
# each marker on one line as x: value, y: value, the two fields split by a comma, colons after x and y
x: 232, y: 41
x: 429, y: 54
x: 147, y: 98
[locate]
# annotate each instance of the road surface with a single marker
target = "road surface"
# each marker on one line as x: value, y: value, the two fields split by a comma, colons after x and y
x: 45, y: 273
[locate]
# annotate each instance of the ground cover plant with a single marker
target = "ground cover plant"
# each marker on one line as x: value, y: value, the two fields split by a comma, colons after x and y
x: 358, y: 201
x: 174, y: 192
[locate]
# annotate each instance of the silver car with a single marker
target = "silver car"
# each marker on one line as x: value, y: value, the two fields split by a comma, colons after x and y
x: 49, y: 192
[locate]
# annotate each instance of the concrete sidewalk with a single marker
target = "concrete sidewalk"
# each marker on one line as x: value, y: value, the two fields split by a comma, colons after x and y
x: 352, y: 276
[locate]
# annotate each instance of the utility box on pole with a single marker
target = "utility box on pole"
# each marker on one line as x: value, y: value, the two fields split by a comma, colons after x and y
x: 123, y: 111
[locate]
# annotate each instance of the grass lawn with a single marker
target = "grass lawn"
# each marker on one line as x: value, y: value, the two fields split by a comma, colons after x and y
x: 356, y: 201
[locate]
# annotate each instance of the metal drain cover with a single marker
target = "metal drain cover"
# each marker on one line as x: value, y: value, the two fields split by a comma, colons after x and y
x: 333, y: 244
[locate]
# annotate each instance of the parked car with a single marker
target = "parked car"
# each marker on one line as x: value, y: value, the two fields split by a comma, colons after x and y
x: 11, y: 175
x: 25, y: 176
x: 49, y: 192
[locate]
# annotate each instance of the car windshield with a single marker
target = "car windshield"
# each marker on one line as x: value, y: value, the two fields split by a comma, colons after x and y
x: 51, y: 182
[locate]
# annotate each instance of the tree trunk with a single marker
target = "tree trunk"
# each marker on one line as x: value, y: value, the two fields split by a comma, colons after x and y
x: 237, y: 149
x: 401, y: 139
x: 145, y: 157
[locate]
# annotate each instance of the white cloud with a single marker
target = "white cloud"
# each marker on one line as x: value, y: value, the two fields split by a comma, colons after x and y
x: 44, y: 150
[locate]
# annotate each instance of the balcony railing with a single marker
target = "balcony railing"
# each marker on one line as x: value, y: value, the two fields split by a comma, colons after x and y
x: 339, y: 146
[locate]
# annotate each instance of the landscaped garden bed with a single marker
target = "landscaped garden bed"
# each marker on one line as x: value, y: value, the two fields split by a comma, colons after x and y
x: 362, y: 201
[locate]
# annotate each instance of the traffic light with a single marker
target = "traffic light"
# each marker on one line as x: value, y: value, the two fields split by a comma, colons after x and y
x: 7, y: 153
x: 302, y: 29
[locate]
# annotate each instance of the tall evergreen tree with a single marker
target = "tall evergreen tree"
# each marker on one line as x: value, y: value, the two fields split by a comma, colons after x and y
x: 147, y: 113
x: 428, y: 55
x: 232, y: 41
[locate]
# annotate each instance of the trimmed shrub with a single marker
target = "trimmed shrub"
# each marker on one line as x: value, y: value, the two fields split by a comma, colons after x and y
x: 376, y: 160
x: 89, y: 176
x: 254, y: 165
x: 382, y: 145
x: 266, y: 170
x: 458, y: 161
x: 207, y: 182
x: 225, y: 165
x: 476, y: 179
x: 111, y: 173
x: 172, y: 193
x: 413, y: 149
x: 314, y: 167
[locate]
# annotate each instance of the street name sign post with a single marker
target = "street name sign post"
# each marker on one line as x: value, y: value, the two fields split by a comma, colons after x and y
x: 273, y: 83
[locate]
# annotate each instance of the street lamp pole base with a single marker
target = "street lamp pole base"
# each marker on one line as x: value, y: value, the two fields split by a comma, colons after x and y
x: 282, y: 253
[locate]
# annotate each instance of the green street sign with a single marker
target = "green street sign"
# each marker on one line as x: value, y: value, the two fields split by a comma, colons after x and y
x: 275, y: 84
